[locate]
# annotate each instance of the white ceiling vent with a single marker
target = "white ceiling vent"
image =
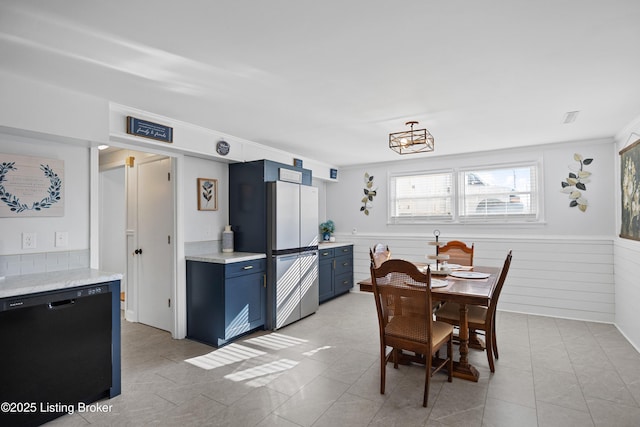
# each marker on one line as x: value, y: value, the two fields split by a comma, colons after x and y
x: 570, y: 117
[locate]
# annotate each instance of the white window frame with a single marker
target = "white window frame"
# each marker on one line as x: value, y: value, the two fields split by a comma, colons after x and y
x: 497, y: 218
x: 457, y: 176
x: 417, y: 219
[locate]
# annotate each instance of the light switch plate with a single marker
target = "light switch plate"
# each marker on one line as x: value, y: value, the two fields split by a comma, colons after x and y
x: 62, y: 239
x: 28, y: 240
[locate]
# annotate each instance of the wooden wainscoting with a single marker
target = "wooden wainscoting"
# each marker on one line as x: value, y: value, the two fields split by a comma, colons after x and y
x: 570, y: 277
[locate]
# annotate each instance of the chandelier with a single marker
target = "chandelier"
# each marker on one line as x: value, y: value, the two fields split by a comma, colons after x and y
x: 412, y: 141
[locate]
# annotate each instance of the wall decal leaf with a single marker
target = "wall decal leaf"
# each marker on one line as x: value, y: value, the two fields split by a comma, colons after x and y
x: 369, y: 193
x: 577, y: 181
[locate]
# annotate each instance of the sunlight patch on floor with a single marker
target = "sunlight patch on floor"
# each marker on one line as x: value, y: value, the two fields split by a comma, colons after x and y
x: 275, y: 341
x: 232, y: 353
x: 262, y: 370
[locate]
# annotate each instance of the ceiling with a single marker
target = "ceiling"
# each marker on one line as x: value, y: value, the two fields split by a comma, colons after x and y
x: 330, y: 80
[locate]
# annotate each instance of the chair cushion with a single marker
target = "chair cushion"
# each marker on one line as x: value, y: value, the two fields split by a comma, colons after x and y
x: 450, y: 312
x: 415, y: 328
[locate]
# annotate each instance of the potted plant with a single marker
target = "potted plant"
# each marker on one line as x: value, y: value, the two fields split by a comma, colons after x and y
x: 326, y: 228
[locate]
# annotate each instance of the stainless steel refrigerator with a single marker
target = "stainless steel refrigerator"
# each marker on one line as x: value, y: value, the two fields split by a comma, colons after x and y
x: 292, y: 235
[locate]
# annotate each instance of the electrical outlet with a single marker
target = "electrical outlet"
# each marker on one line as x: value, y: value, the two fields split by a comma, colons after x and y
x: 28, y: 240
x: 62, y: 239
x: 354, y: 230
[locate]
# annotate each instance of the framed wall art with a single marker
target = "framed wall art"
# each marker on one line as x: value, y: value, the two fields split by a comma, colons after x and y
x: 31, y: 186
x: 207, y: 194
x: 630, y: 190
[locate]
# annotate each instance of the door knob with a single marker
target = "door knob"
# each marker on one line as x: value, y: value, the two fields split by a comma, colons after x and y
x: 137, y: 252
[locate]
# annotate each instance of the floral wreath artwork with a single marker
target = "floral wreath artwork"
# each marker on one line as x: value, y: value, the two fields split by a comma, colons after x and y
x: 24, y: 195
x: 574, y: 185
x: 369, y: 194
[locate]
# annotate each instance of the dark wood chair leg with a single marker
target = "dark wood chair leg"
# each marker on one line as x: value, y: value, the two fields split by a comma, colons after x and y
x: 383, y: 367
x: 489, y: 347
x: 450, y: 357
x: 425, y: 398
x: 494, y: 343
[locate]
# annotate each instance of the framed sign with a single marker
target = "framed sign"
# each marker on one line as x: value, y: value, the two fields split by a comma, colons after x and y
x: 31, y: 186
x: 207, y: 194
x: 150, y: 130
x: 630, y: 190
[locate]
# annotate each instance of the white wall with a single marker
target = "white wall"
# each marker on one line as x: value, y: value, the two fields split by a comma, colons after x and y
x: 344, y: 198
x: 76, y: 199
x: 627, y: 255
x: 562, y: 267
x: 196, y: 141
x: 32, y: 106
x: 204, y: 225
x: 112, y: 221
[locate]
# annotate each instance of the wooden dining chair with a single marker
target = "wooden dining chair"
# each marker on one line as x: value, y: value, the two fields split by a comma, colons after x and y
x: 408, y: 323
x: 480, y: 318
x: 379, y: 254
x: 459, y: 252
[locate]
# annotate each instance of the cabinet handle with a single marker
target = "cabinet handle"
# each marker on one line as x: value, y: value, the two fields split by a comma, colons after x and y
x: 325, y: 253
x: 264, y: 280
x: 346, y: 282
x: 345, y: 264
x: 334, y: 264
x: 247, y: 267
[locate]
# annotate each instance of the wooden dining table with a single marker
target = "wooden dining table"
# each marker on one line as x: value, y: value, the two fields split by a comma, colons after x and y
x: 466, y: 292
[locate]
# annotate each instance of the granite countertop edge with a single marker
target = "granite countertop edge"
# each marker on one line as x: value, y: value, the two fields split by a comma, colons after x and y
x: 226, y: 257
x: 329, y: 245
x: 12, y: 286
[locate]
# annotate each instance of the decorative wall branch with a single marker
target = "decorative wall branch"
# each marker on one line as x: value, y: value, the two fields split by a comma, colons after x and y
x: 575, y: 184
x: 369, y: 194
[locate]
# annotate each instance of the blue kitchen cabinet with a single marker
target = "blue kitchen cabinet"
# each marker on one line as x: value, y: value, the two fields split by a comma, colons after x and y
x: 335, y: 271
x: 225, y: 301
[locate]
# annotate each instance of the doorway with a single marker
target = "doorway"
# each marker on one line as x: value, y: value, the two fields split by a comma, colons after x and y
x: 154, y: 257
x: 143, y: 194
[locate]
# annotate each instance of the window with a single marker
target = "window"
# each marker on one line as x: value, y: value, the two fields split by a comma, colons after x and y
x: 420, y: 197
x: 505, y: 192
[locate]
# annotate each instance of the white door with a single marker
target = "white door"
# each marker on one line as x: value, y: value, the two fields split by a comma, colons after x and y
x: 155, y: 244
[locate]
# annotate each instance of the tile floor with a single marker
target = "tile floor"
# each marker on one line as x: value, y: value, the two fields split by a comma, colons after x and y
x: 324, y: 371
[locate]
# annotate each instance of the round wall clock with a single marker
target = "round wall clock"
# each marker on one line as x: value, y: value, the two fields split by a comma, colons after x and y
x: 222, y: 148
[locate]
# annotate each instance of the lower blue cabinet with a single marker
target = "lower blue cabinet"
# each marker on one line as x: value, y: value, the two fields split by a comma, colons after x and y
x: 335, y: 271
x: 225, y: 301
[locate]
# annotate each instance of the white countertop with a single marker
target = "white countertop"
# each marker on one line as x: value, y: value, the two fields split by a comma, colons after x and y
x: 26, y: 284
x: 225, y: 257
x: 329, y: 245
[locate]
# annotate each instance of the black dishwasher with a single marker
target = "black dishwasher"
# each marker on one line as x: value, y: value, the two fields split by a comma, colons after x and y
x: 56, y: 353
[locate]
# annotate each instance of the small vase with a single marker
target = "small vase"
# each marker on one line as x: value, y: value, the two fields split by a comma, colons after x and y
x: 227, y: 239
x: 326, y: 236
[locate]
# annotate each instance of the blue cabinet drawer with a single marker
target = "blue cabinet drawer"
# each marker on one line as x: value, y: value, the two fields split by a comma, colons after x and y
x: 325, y: 254
x: 343, y: 283
x: 245, y: 267
x: 344, y: 264
x: 343, y: 250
